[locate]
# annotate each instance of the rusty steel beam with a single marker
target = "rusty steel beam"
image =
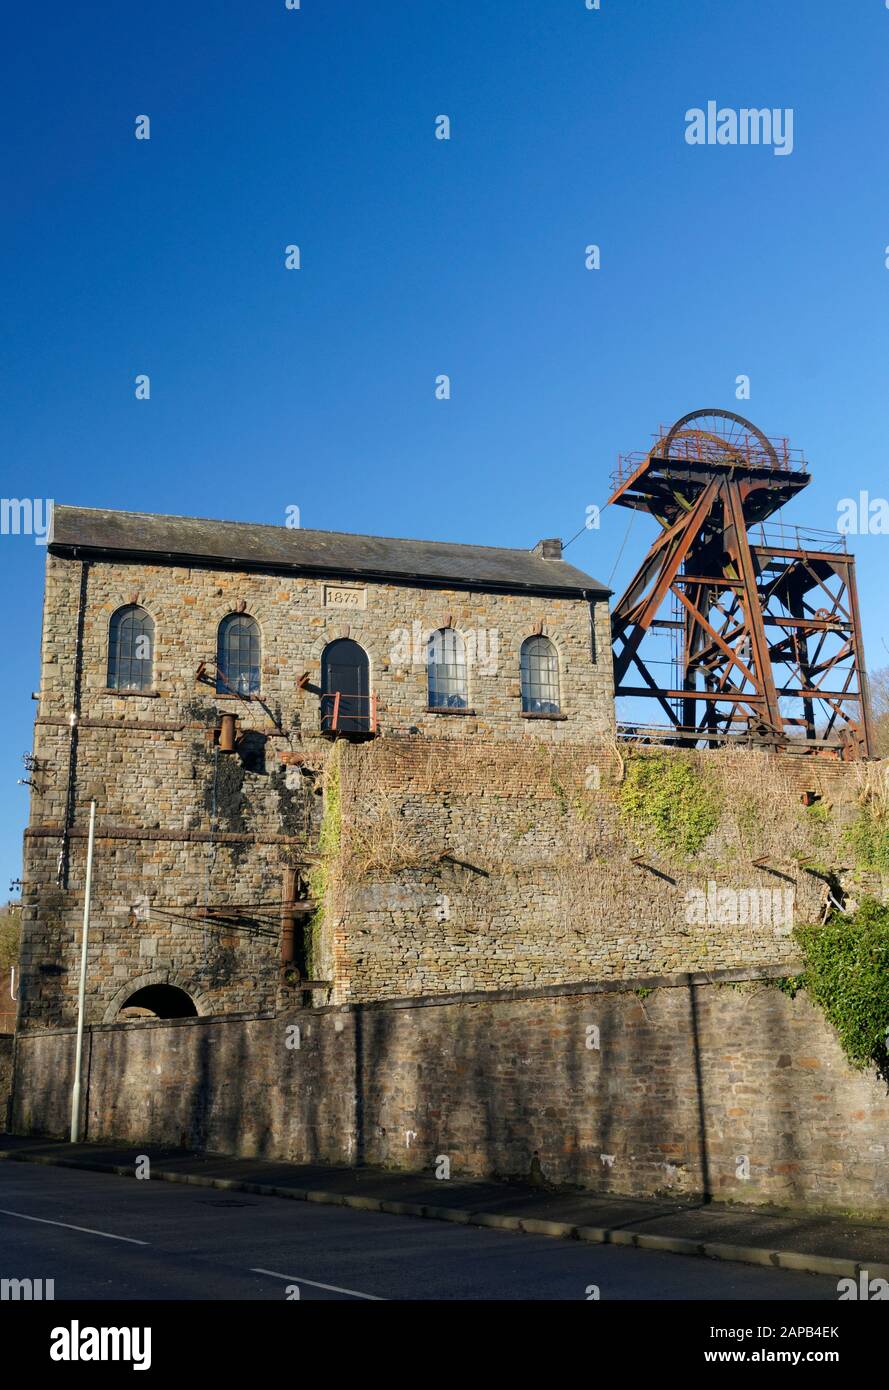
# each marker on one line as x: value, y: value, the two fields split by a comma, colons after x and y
x: 709, y: 481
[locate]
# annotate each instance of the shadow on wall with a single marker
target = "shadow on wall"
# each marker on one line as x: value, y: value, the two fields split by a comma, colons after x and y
x: 694, y: 1090
x: 593, y: 1093
x: 705, y: 1091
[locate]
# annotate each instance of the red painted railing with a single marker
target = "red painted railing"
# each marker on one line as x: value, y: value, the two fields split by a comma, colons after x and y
x: 344, y: 712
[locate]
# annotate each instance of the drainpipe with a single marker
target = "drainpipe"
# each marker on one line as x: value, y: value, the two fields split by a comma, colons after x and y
x: 70, y: 793
x: 591, y: 603
x: 288, y: 894
x: 81, y: 994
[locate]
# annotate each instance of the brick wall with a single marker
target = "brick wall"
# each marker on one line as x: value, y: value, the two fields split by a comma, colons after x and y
x: 725, y: 1087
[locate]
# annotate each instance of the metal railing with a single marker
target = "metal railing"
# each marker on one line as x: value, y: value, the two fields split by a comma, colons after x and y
x: 792, y: 537
x: 346, y: 714
x: 697, y: 446
x: 633, y: 731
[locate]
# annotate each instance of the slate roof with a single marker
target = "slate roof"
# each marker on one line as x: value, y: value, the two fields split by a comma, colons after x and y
x: 188, y: 540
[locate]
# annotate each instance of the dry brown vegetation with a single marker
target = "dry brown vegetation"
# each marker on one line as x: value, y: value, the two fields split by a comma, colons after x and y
x: 878, y: 682
x: 10, y: 929
x: 569, y: 817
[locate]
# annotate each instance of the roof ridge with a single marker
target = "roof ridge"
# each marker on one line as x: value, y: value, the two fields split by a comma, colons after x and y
x: 314, y: 530
x: 200, y: 540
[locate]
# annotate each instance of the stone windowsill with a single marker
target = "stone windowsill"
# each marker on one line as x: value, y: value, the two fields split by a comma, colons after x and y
x: 542, y: 714
x: 447, y: 709
x: 130, y: 694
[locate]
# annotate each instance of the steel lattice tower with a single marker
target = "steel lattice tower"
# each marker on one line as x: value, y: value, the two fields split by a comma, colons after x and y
x: 765, y: 619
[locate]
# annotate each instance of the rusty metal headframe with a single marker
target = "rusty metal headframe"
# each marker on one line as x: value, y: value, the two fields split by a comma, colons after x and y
x: 762, y: 621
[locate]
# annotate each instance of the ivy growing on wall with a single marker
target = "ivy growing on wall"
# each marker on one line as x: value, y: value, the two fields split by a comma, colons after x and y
x: 322, y: 873
x: 847, y: 974
x: 667, y: 802
x: 868, y: 837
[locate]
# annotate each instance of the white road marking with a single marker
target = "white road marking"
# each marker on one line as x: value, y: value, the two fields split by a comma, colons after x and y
x: 88, y: 1230
x: 313, y: 1283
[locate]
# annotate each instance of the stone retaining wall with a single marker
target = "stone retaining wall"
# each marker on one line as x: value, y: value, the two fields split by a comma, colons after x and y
x: 720, y: 1086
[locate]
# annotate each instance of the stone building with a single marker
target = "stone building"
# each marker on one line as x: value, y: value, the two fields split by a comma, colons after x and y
x: 362, y: 814
x: 197, y: 679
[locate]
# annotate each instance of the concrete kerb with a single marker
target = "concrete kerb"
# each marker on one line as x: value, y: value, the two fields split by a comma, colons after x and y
x: 403, y: 1208
x: 799, y: 1261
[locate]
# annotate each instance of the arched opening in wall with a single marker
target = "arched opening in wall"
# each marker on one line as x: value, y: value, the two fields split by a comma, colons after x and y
x: 158, y: 1001
x: 347, y: 706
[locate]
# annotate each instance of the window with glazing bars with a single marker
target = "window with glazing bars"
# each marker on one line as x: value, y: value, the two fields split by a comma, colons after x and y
x: 130, y: 649
x: 446, y: 657
x: 540, y: 676
x: 237, y: 655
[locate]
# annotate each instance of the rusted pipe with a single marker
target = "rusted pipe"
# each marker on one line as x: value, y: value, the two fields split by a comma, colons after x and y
x: 288, y: 896
x: 227, y: 733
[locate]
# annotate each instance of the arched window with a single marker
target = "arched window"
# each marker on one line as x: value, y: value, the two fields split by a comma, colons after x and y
x: 130, y: 649
x: 345, y: 684
x: 446, y: 658
x: 237, y: 655
x: 540, y: 676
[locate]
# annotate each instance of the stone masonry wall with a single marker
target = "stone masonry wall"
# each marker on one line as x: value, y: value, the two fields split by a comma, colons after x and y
x: 181, y: 827
x: 476, y: 853
x: 484, y: 868
x: 297, y: 617
x: 730, y: 1089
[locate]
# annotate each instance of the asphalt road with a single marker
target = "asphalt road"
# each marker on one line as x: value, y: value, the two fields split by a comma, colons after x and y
x: 105, y: 1237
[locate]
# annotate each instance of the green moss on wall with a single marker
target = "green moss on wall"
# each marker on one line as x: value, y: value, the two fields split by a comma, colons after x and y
x: 868, y: 838
x: 667, y: 802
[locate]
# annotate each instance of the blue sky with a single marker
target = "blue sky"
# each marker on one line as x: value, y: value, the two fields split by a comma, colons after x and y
x: 315, y: 388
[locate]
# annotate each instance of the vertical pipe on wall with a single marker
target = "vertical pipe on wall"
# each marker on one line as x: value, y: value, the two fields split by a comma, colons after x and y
x: 73, y: 718
x: 288, y: 894
x: 81, y: 993
x: 592, y: 607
